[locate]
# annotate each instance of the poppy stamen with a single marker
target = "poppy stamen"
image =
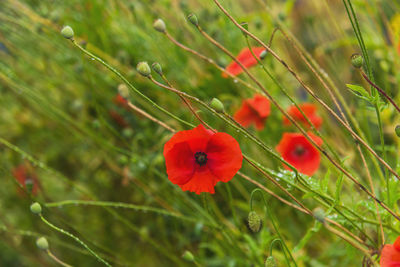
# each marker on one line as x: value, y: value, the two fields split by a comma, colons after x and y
x: 299, y: 150
x: 201, y: 158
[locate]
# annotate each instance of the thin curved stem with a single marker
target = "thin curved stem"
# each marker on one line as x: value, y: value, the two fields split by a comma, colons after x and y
x: 272, y: 219
x: 57, y: 259
x: 133, y: 88
x: 75, y: 238
x: 318, y: 99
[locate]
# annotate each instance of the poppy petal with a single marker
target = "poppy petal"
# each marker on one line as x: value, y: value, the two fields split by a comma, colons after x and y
x: 224, y: 156
x: 244, y: 115
x: 197, y: 139
x: 246, y: 58
x: 390, y: 257
x: 309, y: 110
x: 202, y: 181
x: 261, y: 105
x: 180, y: 163
x: 260, y: 123
x: 309, y: 160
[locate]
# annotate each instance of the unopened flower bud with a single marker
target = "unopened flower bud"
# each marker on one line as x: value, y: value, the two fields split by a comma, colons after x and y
x: 36, y: 208
x: 357, y: 61
x: 67, y: 32
x: 193, y: 19
x: 42, y: 243
x: 254, y: 222
x: 319, y: 215
x: 159, y: 25
x: 263, y: 54
x: 188, y: 256
x: 397, y: 130
x: 281, y: 16
x: 157, y: 68
x: 217, y: 105
x: 270, y: 262
x: 123, y: 90
x: 143, y: 68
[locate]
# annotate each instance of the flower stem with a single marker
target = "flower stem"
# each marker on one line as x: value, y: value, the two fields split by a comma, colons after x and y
x: 75, y: 238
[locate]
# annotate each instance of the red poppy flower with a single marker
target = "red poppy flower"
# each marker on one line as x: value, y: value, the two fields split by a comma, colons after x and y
x: 309, y: 110
x: 197, y: 159
x: 246, y: 58
x: 26, y: 178
x: 299, y: 152
x: 390, y: 255
x: 254, y: 110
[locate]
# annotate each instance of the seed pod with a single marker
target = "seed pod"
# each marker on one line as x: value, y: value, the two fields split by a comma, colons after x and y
x: 157, y: 68
x: 67, y: 32
x: 36, y: 208
x: 319, y: 215
x: 159, y: 25
x: 357, y: 61
x: 123, y: 90
x: 254, y: 222
x: 397, y: 130
x: 263, y: 54
x: 42, y: 243
x: 270, y: 262
x: 188, y: 256
x: 217, y: 105
x: 143, y: 68
x: 193, y: 19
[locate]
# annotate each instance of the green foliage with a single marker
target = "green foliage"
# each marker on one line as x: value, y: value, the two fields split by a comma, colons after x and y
x: 100, y: 168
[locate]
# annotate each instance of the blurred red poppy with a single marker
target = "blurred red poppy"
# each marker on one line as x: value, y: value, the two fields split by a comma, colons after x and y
x: 246, y: 58
x: 299, y: 152
x: 254, y: 110
x: 27, y: 179
x: 118, y: 118
x: 197, y: 159
x: 309, y: 110
x: 120, y: 101
x: 390, y: 255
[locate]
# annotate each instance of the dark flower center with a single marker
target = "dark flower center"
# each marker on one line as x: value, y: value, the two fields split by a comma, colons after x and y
x: 299, y: 150
x: 201, y: 158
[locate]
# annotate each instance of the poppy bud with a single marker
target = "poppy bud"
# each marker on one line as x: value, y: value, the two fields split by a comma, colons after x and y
x: 67, y: 32
x: 254, y: 222
x: 270, y: 262
x: 217, y: 105
x: 36, y: 208
x: 397, y: 130
x: 42, y: 243
x: 157, y: 68
x: 159, y: 25
x: 188, y: 256
x: 123, y: 90
x: 357, y: 60
x: 143, y: 68
x: 319, y: 215
x: 263, y: 54
x: 193, y: 19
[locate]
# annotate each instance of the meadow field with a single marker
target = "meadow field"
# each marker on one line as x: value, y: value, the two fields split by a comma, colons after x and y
x: 199, y: 133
